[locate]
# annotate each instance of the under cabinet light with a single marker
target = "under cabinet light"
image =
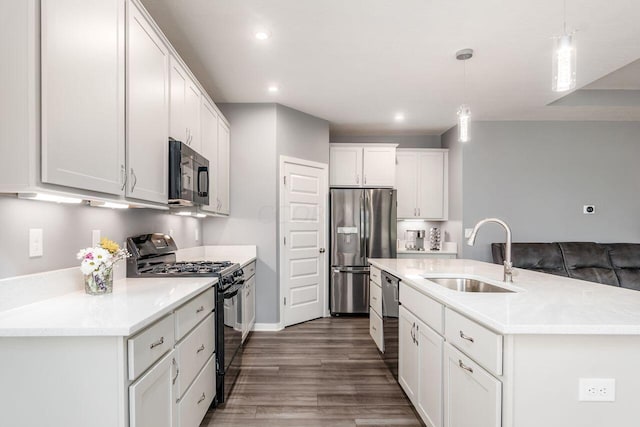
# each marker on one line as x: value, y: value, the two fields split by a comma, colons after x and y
x: 111, y: 205
x: 45, y: 197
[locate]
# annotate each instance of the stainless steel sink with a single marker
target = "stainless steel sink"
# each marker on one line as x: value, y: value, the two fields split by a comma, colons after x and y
x: 467, y: 285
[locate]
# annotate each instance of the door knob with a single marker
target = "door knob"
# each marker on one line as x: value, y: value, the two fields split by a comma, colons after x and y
x: 321, y: 250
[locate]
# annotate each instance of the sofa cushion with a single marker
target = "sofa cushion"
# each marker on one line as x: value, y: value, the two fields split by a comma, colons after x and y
x: 625, y: 258
x: 588, y: 261
x: 542, y: 257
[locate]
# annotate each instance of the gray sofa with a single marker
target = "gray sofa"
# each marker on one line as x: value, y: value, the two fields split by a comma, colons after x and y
x: 615, y: 264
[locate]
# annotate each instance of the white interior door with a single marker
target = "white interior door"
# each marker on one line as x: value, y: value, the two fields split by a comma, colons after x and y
x: 302, y: 238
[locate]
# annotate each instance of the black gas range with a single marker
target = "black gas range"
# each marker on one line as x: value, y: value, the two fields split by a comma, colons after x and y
x: 154, y: 255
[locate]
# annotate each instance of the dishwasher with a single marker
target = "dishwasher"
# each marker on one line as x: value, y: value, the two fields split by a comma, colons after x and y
x: 390, y: 309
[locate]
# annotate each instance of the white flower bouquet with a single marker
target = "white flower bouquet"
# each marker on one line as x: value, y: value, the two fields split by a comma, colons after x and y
x: 97, y: 266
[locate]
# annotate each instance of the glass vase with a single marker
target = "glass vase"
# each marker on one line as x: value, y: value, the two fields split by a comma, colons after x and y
x: 99, y: 282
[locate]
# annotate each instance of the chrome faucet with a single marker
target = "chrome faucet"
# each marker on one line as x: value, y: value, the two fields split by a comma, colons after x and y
x: 508, y: 266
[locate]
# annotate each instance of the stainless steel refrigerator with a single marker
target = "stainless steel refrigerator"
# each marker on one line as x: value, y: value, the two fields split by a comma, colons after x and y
x: 363, y: 225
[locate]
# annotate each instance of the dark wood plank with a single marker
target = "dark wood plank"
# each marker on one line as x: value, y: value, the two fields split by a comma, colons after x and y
x: 326, y: 372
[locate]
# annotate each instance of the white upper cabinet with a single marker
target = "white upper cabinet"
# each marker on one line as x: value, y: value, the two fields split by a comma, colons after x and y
x: 83, y: 134
x: 372, y: 165
x: 147, y: 109
x: 379, y: 166
x: 209, y: 139
x: 345, y: 164
x: 223, y: 168
x: 423, y: 184
x: 185, y: 101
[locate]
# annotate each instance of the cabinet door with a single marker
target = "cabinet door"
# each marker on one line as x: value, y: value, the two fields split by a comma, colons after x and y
x: 83, y: 94
x: 472, y: 397
x: 223, y: 168
x: 209, y: 139
x: 252, y: 303
x: 248, y: 309
x: 147, y: 110
x: 430, y: 348
x: 192, y: 109
x: 431, y: 185
x: 408, y: 354
x: 151, y: 398
x: 178, y: 90
x: 379, y: 168
x: 406, y: 183
x: 345, y: 164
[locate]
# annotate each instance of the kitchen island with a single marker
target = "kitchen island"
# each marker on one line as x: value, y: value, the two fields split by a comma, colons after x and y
x: 553, y: 352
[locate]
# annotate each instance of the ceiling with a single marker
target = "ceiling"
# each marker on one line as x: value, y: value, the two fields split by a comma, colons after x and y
x: 357, y: 63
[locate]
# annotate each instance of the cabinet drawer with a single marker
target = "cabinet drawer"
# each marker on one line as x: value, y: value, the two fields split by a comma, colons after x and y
x: 193, y: 352
x: 472, y: 397
x: 426, y: 309
x: 476, y: 341
x: 374, y: 275
x: 375, y: 329
x: 249, y: 270
x: 149, y: 345
x: 193, y: 406
x: 375, y: 297
x: 190, y: 314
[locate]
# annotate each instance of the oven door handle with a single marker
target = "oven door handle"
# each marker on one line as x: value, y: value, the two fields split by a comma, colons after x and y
x: 232, y: 291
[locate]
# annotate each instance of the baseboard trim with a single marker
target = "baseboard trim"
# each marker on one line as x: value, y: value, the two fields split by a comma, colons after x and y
x: 270, y: 327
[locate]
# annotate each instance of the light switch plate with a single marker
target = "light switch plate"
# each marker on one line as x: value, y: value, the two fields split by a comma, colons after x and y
x: 35, y: 243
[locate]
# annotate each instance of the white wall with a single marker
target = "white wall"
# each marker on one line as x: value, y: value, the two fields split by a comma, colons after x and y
x: 67, y: 229
x: 538, y: 175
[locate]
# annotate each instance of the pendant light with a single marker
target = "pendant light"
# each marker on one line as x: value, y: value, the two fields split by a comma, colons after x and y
x: 564, y: 59
x: 464, y: 112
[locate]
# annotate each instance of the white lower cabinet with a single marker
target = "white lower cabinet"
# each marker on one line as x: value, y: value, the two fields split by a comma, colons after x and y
x: 447, y: 387
x: 473, y: 398
x: 420, y: 367
x: 193, y: 406
x: 151, y: 397
x: 249, y: 301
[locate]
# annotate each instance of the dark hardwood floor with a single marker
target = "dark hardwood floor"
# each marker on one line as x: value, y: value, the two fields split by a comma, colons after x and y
x: 326, y: 372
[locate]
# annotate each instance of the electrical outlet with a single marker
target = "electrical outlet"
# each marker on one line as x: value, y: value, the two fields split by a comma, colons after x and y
x: 589, y: 209
x: 35, y: 242
x: 95, y: 238
x: 597, y: 390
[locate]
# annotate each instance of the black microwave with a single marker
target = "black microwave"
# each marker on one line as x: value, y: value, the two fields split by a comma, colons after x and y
x: 188, y: 175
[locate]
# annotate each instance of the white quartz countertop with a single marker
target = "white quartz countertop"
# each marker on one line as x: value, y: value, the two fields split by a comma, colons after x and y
x: 133, y: 305
x: 541, y: 304
x: 428, y: 252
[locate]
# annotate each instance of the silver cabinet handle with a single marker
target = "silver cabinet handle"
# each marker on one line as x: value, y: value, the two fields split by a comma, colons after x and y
x: 417, y: 332
x: 135, y: 179
x: 357, y: 179
x: 175, y: 363
x: 321, y: 250
x: 465, y: 367
x: 418, y: 211
x: 373, y: 327
x: 365, y: 178
x: 415, y: 212
x: 466, y: 337
x: 202, y: 398
x: 374, y: 298
x: 200, y: 309
x: 123, y: 172
x: 200, y: 349
x: 157, y: 343
x: 413, y: 337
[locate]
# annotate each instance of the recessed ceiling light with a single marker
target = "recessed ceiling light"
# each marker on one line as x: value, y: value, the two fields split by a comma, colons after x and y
x: 262, y: 35
x: 273, y: 89
x: 399, y: 117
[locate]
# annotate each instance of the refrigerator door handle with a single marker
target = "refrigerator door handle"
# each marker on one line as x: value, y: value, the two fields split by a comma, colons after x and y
x: 346, y: 270
x: 362, y: 227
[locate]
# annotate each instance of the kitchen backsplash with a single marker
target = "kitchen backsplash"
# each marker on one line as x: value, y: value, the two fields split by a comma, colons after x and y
x: 68, y: 228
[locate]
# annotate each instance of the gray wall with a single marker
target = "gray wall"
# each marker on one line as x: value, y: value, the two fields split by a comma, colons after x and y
x: 260, y: 133
x: 253, y: 198
x: 538, y: 175
x: 453, y: 227
x: 67, y: 229
x: 404, y: 141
